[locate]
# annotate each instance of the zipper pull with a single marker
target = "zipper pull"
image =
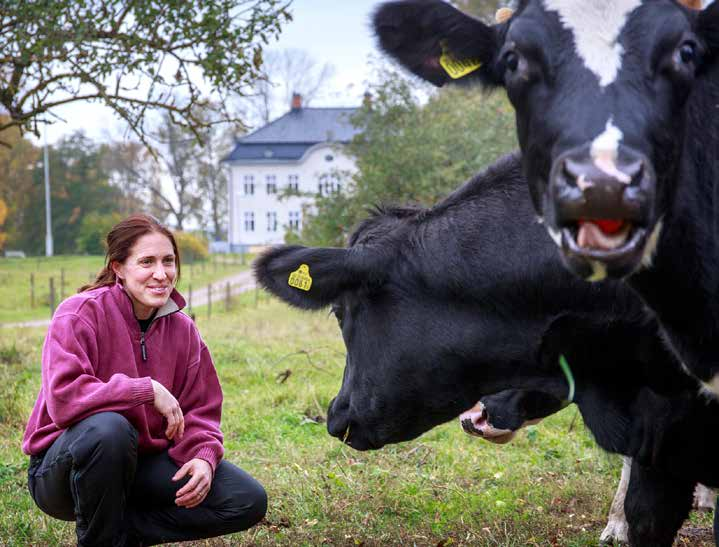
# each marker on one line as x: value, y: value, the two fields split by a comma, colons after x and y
x: 143, y: 349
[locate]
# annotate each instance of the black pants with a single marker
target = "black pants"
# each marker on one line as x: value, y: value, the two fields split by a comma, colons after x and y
x: 92, y: 474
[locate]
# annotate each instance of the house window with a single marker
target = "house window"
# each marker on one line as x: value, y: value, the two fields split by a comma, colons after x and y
x: 271, y: 184
x: 294, y: 220
x: 293, y: 184
x: 271, y: 221
x: 249, y: 185
x: 328, y: 184
x: 249, y: 222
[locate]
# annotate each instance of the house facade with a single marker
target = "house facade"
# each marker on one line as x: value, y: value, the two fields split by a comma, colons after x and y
x: 276, y: 172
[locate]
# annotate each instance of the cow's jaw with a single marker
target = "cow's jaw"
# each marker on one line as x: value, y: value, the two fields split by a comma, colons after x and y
x: 476, y: 422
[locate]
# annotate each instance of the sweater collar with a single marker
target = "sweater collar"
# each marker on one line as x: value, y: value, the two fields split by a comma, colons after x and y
x: 174, y: 304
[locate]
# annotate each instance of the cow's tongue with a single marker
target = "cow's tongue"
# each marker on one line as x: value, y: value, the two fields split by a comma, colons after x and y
x: 591, y: 236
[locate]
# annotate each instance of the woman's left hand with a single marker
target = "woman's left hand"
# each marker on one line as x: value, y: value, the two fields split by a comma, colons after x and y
x: 197, y: 488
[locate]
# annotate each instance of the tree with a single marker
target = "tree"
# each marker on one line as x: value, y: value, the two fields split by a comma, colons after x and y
x: 93, y: 230
x: 409, y: 153
x: 80, y: 185
x: 286, y: 72
x: 130, y: 56
x: 17, y: 178
x: 3, y: 216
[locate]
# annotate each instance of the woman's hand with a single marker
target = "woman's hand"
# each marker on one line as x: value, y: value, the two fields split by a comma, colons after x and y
x: 197, y: 488
x: 168, y: 406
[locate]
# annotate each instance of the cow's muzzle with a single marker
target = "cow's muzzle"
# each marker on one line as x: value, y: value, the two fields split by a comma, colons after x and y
x: 342, y: 426
x: 599, y: 210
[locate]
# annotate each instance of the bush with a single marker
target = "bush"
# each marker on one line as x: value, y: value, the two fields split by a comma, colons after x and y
x: 192, y: 247
x: 93, y: 231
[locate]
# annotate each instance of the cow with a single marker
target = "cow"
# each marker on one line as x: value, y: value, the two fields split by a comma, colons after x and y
x: 497, y: 418
x: 438, y: 307
x: 616, y: 115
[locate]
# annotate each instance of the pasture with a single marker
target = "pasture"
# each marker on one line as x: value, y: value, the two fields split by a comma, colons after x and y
x: 279, y: 369
x: 17, y: 302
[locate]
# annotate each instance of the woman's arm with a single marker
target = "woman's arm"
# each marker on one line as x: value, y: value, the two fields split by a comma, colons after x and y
x: 72, y: 391
x: 201, y: 402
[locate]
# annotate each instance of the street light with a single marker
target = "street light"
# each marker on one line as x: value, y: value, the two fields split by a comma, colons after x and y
x: 48, y: 214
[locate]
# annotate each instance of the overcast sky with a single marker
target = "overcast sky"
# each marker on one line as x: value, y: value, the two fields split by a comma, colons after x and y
x: 331, y: 31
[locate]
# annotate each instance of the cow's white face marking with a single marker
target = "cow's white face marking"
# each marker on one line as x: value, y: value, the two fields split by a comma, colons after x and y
x: 604, y: 151
x: 596, y: 25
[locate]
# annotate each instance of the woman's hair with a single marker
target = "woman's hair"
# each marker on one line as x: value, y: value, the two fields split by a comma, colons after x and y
x: 120, y: 241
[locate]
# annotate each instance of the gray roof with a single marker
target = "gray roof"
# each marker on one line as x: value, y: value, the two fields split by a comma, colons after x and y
x: 290, y: 136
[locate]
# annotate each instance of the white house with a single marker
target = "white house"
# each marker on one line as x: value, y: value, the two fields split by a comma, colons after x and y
x: 299, y: 152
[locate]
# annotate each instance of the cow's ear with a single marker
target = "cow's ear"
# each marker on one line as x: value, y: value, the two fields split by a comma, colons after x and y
x: 311, y: 277
x: 436, y: 41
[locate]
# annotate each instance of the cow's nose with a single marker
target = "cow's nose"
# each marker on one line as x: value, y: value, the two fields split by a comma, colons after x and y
x: 337, y: 419
x: 587, y: 185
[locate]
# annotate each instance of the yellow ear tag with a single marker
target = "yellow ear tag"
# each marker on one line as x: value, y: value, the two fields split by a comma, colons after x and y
x: 503, y: 14
x: 456, y: 69
x: 300, y: 278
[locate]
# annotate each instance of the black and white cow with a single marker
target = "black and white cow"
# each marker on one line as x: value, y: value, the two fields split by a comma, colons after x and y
x: 497, y: 418
x: 618, y: 121
x: 438, y: 307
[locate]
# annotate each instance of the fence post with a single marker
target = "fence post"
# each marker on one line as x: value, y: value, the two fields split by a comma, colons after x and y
x: 189, y: 301
x: 52, y: 296
x: 227, y: 297
x: 257, y: 297
x: 32, y: 290
x: 209, y: 300
x: 62, y: 284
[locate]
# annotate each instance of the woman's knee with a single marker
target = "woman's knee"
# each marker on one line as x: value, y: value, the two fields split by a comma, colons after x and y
x: 245, y: 499
x: 107, y: 434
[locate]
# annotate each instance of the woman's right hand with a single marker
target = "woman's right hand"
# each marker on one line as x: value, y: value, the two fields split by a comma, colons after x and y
x: 168, y: 406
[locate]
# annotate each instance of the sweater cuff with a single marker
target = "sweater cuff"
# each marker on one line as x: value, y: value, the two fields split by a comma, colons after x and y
x: 210, y: 456
x: 142, y: 391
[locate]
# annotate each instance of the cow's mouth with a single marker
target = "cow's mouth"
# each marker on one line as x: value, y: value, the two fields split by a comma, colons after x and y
x: 599, y: 247
x: 476, y: 422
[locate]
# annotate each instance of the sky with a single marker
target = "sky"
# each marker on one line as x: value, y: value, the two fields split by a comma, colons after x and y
x: 332, y: 31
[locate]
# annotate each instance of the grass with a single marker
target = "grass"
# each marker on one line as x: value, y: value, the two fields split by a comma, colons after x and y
x: 549, y: 487
x: 15, y: 287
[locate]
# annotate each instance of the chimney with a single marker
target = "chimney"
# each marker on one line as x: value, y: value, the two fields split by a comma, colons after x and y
x: 367, y: 100
x: 296, y: 102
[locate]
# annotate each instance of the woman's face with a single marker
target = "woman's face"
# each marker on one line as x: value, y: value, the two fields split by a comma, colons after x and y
x: 148, y: 274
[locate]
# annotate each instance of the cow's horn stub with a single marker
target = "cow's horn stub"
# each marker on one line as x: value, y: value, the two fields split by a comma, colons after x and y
x: 691, y: 4
x: 503, y: 14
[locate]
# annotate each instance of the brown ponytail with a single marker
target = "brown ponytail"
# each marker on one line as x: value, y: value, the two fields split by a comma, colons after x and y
x: 120, y: 241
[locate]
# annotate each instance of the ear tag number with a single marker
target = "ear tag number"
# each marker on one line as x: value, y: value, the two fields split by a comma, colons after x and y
x: 300, y: 278
x: 456, y: 68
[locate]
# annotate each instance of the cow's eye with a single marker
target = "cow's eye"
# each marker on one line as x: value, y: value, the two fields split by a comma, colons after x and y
x: 511, y: 61
x: 687, y: 52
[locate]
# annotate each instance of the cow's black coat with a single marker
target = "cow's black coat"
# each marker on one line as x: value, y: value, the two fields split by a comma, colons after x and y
x: 438, y: 307
x: 664, y: 99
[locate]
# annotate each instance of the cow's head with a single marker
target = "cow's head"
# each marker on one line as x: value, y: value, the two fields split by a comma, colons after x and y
x: 599, y: 88
x: 416, y: 357
x: 498, y: 417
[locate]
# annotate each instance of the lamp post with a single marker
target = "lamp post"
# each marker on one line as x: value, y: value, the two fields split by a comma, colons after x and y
x: 48, y: 214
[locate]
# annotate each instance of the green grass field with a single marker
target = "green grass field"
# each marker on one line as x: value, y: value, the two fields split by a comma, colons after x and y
x: 15, y: 287
x: 549, y: 487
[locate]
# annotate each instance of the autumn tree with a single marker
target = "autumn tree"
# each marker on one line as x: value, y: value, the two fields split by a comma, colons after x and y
x: 131, y: 56
x: 408, y: 152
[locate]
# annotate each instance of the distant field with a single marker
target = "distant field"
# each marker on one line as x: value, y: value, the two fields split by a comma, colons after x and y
x: 15, y: 293
x: 549, y: 487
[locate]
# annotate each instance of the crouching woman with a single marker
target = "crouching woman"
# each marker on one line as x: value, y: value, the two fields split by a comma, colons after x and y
x: 125, y: 434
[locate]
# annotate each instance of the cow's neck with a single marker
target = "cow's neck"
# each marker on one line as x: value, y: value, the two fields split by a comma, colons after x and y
x: 681, y: 286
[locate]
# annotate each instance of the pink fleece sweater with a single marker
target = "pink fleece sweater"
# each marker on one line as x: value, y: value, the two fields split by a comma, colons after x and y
x: 93, y: 361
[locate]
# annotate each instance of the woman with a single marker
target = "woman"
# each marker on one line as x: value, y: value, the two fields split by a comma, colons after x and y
x: 125, y: 434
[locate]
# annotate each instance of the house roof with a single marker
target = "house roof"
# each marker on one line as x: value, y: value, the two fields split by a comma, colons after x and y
x: 288, y: 138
